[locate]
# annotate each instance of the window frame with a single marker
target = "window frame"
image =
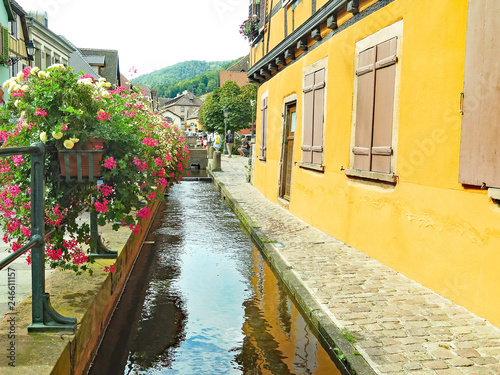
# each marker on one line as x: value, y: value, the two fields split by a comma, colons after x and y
x: 311, y: 69
x: 393, y: 31
x: 264, y: 129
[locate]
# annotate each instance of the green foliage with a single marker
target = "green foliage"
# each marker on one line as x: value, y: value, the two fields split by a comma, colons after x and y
x: 237, y: 101
x: 198, y: 77
x: 142, y: 155
x: 349, y: 336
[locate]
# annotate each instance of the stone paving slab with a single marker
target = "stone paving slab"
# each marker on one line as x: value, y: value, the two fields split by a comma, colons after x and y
x: 401, y: 326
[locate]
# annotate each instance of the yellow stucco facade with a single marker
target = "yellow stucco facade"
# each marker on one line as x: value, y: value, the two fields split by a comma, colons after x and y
x: 426, y: 225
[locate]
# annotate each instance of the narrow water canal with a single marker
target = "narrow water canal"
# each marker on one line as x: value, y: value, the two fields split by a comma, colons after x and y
x: 202, y: 300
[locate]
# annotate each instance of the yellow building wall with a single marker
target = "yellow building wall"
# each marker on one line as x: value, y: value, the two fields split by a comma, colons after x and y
x: 428, y: 226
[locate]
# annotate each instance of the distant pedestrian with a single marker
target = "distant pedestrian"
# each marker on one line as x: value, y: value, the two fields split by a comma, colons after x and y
x: 229, y: 142
x: 245, y: 147
x: 217, y: 141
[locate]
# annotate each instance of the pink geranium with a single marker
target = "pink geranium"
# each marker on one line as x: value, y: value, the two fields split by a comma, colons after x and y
x: 110, y: 163
x: 102, y: 115
x: 40, y: 112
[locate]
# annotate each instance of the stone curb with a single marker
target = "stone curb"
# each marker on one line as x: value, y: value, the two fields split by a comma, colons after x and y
x: 322, y: 323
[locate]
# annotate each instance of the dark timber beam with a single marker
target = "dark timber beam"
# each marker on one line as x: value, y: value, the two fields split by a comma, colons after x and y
x: 353, y: 6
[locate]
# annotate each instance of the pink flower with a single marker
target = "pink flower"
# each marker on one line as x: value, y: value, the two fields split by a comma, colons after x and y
x: 150, y: 142
x: 18, y: 160
x: 143, y: 213
x: 162, y: 182
x: 64, y: 126
x: 111, y: 268
x: 19, y: 93
x: 106, y: 190
x: 101, y: 207
x: 39, y: 112
x: 79, y: 258
x: 110, y: 163
x: 101, y: 115
x: 26, y: 72
x: 54, y: 254
x: 87, y: 76
x: 151, y: 195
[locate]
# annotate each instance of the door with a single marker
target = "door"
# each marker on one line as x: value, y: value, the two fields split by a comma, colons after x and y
x: 289, y: 134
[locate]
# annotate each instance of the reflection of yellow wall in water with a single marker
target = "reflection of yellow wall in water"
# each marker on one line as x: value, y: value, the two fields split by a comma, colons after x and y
x: 267, y: 295
x: 428, y: 226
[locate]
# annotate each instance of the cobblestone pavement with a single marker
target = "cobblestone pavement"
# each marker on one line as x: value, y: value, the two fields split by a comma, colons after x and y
x: 402, y: 327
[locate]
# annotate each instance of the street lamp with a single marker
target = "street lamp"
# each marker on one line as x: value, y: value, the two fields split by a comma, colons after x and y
x: 225, y: 130
x: 252, y: 104
x: 30, y: 49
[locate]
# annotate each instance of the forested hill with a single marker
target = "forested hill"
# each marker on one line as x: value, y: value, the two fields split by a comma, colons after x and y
x: 196, y: 76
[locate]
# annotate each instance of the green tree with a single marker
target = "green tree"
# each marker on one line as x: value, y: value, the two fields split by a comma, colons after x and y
x: 237, y: 102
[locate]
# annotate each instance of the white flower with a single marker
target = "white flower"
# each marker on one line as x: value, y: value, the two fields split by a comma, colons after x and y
x: 25, y: 88
x: 42, y: 74
x: 57, y: 135
x: 43, y: 137
x: 59, y: 67
x: 85, y: 81
x: 7, y: 83
x: 105, y: 94
x: 20, y: 75
x: 16, y: 103
x: 68, y: 144
x: 35, y: 70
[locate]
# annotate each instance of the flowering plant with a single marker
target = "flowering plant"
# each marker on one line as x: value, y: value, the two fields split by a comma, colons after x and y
x: 250, y: 28
x: 4, y: 60
x: 142, y: 156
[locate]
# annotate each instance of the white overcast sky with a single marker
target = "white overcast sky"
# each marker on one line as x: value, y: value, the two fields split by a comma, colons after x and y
x: 150, y: 34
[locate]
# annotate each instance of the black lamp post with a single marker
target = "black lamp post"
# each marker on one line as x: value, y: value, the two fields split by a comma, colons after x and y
x: 225, y: 130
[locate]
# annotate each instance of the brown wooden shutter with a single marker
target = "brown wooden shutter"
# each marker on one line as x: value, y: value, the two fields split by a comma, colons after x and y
x: 480, y: 145
x: 307, y: 132
x: 385, y: 75
x: 318, y: 116
x: 262, y: 16
x: 364, y: 110
x: 263, y: 135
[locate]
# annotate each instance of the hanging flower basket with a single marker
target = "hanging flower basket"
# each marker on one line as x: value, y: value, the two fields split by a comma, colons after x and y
x: 77, y: 162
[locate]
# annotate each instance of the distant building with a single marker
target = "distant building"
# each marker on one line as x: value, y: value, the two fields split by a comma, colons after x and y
x: 236, y: 73
x: 192, y: 121
x: 50, y: 47
x: 79, y: 63
x: 105, y: 62
x: 183, y: 106
x: 171, y: 117
x: 18, y: 39
x: 6, y: 15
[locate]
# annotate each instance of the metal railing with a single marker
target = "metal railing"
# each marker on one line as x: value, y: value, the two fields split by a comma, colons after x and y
x: 44, y: 317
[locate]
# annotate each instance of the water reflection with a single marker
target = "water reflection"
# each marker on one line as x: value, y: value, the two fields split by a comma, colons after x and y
x: 212, y: 304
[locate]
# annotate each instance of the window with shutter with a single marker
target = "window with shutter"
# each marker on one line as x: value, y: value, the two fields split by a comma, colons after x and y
x: 263, y: 13
x: 479, y: 147
x: 313, y: 112
x: 376, y: 78
x: 263, y: 133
